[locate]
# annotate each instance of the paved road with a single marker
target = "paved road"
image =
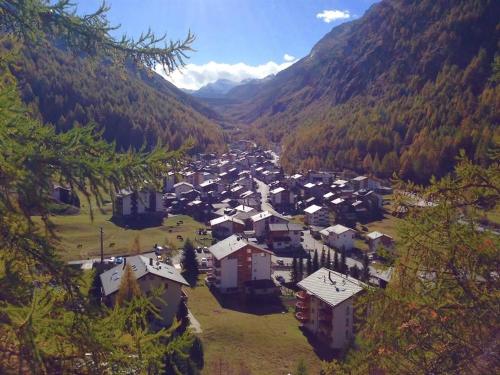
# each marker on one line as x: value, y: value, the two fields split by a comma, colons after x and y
x: 263, y: 189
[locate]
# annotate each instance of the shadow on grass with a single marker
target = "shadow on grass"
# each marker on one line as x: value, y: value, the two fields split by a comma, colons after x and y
x: 320, y: 348
x: 139, y: 222
x: 256, y: 305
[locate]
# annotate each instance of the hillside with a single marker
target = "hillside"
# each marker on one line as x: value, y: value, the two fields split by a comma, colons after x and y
x: 131, y: 106
x: 401, y: 89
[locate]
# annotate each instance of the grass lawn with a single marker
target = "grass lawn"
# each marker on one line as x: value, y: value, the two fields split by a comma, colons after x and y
x: 388, y: 225
x: 264, y: 344
x: 79, y: 236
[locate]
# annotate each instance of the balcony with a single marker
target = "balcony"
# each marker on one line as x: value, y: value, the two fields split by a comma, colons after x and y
x: 302, y: 295
x: 302, y: 305
x: 302, y: 316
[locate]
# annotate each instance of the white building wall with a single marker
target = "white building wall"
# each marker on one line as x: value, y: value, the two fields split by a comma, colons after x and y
x: 261, y: 266
x: 229, y: 273
x: 342, y: 241
x: 342, y: 324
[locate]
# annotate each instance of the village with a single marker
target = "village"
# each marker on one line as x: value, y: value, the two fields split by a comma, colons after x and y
x: 274, y: 240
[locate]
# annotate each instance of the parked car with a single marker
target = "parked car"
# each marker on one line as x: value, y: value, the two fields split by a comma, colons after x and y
x: 280, y: 279
x: 198, y: 250
x: 119, y: 260
x: 204, y: 262
x: 205, y: 250
x: 280, y: 262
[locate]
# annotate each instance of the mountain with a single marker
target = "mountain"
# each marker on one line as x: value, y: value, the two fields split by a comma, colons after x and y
x: 132, y: 106
x: 217, y: 89
x: 401, y: 89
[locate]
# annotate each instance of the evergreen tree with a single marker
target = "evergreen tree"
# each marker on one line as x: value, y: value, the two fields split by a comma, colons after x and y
x: 133, y: 205
x: 336, y: 265
x: 295, y: 271
x: 315, y: 261
x: 354, y: 271
x: 189, y: 262
x: 309, y: 265
x: 343, y: 262
x: 328, y: 260
x: 322, y: 261
x: 301, y: 268
x: 430, y: 324
x: 365, y: 271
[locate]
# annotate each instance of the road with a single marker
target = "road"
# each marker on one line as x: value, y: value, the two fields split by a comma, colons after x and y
x: 263, y: 189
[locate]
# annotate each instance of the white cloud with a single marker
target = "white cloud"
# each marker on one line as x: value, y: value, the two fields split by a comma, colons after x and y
x: 333, y: 15
x: 194, y: 76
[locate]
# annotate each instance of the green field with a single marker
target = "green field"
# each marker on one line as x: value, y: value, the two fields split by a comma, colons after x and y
x: 79, y: 235
x: 235, y: 340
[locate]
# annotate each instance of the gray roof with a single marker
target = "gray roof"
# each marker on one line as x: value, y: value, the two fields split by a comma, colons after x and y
x: 284, y: 227
x: 230, y: 245
x: 331, y: 287
x: 110, y: 279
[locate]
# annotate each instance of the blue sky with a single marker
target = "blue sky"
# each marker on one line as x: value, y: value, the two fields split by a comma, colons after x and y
x: 236, y: 39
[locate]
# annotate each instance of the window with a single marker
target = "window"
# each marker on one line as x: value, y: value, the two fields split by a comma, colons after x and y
x: 166, y: 285
x: 249, y: 259
x: 249, y: 251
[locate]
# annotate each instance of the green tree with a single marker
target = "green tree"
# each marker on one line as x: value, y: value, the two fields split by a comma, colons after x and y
x: 322, y: 261
x: 49, y: 327
x: 315, y: 261
x: 365, y: 271
x: 294, y: 271
x: 336, y: 265
x: 343, y: 262
x: 189, y: 262
x: 309, y: 265
x: 328, y: 260
x: 354, y: 271
x: 442, y: 281
x: 301, y: 268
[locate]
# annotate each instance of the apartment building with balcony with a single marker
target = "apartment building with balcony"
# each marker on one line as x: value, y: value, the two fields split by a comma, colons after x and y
x: 317, y: 216
x: 325, y: 306
x: 239, y: 265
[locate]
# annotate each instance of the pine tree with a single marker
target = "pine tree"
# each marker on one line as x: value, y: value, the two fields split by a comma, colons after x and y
x: 189, y: 262
x: 322, y: 261
x: 354, y: 271
x: 365, y: 271
x: 295, y: 271
x: 343, y: 262
x: 301, y: 268
x: 328, y: 260
x: 315, y: 261
x: 336, y: 265
x: 309, y: 265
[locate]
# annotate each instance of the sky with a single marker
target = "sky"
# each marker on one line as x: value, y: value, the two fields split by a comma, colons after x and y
x: 235, y: 39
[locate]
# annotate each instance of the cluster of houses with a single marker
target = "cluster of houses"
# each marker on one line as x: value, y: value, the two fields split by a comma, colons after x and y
x: 246, y: 199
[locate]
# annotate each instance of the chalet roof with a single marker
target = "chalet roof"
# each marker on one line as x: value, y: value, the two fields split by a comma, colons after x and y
x: 360, y: 178
x: 312, y: 209
x: 141, y: 266
x: 230, y: 245
x: 375, y: 235
x: 261, y: 216
x: 331, y: 287
x: 183, y: 183
x: 225, y: 218
x: 277, y: 190
x: 282, y: 227
x: 338, y: 201
x: 337, y: 229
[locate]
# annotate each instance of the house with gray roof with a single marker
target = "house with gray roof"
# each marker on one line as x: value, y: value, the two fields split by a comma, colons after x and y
x: 150, y: 274
x: 325, y: 306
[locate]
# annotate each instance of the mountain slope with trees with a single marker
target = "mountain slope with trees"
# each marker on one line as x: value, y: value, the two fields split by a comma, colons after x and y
x: 401, y: 89
x: 131, y: 105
